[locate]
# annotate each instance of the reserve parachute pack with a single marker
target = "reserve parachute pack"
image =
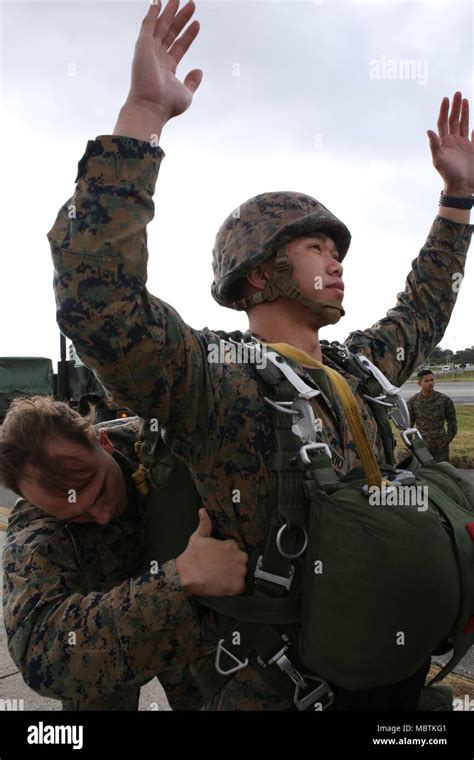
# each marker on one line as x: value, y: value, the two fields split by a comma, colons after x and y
x: 355, y: 585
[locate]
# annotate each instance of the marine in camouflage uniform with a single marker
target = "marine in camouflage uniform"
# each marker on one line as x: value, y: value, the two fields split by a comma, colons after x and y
x: 428, y: 412
x: 152, y: 362
x: 88, y: 621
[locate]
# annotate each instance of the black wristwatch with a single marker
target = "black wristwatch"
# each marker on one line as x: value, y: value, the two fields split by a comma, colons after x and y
x: 451, y: 201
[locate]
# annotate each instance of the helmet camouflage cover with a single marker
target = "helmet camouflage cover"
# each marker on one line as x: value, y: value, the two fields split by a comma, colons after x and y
x: 258, y: 228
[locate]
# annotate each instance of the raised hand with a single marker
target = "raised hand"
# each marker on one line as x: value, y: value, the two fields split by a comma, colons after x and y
x: 158, y: 51
x: 451, y: 148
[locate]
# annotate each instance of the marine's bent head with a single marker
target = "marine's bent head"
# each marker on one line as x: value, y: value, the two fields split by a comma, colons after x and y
x: 53, y: 457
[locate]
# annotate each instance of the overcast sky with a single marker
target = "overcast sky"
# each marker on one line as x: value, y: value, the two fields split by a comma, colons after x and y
x: 331, y: 98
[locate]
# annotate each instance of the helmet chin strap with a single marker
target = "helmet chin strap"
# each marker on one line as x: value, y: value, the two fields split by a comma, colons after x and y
x: 280, y: 284
x: 332, y: 312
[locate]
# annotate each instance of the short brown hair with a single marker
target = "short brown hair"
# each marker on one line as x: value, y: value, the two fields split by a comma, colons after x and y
x: 30, y: 424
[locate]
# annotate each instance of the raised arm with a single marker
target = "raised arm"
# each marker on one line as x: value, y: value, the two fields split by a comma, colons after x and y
x: 140, y: 348
x: 401, y: 341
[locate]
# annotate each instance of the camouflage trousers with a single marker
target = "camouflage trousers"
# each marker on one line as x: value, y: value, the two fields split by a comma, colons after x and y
x: 122, y: 699
x: 183, y: 696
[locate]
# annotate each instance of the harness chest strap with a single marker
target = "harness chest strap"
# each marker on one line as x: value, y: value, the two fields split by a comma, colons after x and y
x: 350, y: 406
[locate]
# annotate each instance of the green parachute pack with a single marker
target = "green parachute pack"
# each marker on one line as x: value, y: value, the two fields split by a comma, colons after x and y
x: 351, y: 587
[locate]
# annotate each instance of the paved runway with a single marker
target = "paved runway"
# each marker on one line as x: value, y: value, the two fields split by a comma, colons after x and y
x: 461, y: 393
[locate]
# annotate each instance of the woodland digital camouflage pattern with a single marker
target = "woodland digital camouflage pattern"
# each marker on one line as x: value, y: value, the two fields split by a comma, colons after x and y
x: 428, y: 414
x: 153, y: 363
x: 94, y: 581
x: 265, y: 228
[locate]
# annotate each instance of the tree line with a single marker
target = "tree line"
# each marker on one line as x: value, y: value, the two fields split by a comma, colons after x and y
x: 440, y: 356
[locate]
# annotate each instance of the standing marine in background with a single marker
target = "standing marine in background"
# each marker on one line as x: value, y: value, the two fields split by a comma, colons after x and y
x: 429, y: 410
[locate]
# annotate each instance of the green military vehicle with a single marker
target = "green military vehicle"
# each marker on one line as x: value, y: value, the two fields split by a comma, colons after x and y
x: 22, y: 376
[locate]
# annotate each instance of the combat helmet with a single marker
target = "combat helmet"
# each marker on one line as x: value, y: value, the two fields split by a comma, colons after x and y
x: 262, y: 227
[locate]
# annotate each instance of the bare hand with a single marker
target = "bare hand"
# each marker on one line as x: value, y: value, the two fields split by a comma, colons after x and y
x: 451, y: 149
x: 209, y: 567
x: 158, y: 51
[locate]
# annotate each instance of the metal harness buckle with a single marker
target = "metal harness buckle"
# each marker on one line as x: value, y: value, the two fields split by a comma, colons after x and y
x: 287, y: 667
x: 406, y: 433
x: 305, y: 425
x: 280, y: 580
x: 401, y: 415
x: 313, y: 446
x: 221, y: 649
x: 304, y: 390
x: 322, y: 694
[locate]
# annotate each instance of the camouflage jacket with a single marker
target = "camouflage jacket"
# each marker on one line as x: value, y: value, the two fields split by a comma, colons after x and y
x: 152, y: 362
x: 88, y: 619
x: 429, y: 413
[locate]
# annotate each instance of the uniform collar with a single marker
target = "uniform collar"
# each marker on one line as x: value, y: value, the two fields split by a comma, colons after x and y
x: 427, y: 398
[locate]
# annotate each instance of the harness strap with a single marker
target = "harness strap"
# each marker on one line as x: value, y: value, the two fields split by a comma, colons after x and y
x: 351, y: 409
x: 370, y: 388
x: 249, y: 635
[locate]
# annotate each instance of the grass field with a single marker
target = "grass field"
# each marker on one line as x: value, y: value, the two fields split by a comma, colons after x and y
x: 461, y: 450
